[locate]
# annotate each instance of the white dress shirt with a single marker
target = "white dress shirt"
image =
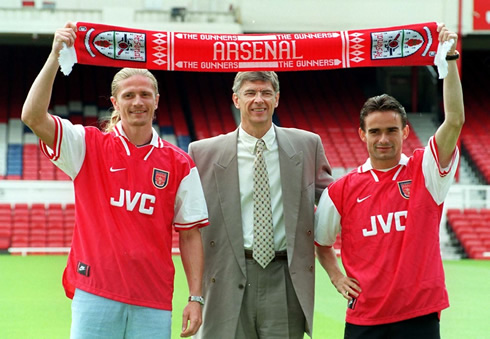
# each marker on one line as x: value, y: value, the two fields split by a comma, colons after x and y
x: 246, y: 157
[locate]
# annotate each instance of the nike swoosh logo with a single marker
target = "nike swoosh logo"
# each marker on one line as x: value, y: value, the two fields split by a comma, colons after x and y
x: 116, y: 169
x: 361, y: 200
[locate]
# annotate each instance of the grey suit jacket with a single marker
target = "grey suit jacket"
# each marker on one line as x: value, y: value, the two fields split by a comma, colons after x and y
x: 305, y: 172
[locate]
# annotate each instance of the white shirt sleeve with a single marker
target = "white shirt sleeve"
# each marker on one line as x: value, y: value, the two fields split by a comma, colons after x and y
x: 327, y: 221
x: 190, y: 205
x: 69, y: 147
x: 438, y: 180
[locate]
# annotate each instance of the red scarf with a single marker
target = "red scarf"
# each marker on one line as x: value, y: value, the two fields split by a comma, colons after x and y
x: 103, y: 45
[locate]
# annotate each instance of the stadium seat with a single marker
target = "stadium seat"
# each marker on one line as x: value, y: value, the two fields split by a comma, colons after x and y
x: 55, y: 228
x: 478, y: 252
x: 3, y: 147
x: 46, y: 169
x: 471, y: 228
x: 5, y: 226
x: 68, y: 223
x: 20, y: 226
x: 60, y: 175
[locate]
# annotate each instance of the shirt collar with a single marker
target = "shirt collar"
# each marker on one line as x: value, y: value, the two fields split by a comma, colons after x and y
x: 367, y: 166
x: 250, y: 141
x: 119, y: 131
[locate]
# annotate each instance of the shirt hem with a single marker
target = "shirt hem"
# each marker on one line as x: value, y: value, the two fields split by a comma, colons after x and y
x: 394, y: 319
x: 125, y: 300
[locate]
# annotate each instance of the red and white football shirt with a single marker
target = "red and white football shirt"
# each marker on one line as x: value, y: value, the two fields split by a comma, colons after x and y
x: 389, y: 225
x: 127, y: 199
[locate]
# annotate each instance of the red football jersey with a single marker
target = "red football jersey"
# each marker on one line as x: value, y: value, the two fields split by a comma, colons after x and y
x: 389, y: 224
x: 127, y: 199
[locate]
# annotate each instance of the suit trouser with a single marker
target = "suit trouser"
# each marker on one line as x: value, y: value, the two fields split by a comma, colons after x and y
x: 270, y: 307
x: 423, y: 327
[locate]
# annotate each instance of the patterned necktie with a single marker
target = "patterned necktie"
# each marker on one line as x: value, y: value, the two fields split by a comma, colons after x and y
x: 263, y: 245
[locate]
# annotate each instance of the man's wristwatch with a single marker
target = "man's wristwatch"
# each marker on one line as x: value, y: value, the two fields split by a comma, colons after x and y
x: 454, y: 56
x: 199, y: 299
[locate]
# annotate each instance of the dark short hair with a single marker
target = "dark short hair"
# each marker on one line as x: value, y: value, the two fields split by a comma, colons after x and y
x: 382, y: 103
x: 241, y: 77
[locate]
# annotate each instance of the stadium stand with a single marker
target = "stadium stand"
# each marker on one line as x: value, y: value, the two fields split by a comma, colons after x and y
x: 476, y: 133
x: 198, y: 105
x: 36, y: 228
x: 471, y: 231
x: 20, y: 225
x: 3, y: 145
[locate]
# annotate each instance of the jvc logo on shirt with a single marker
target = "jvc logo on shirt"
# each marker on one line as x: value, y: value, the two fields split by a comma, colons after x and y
x: 126, y: 199
x: 385, y: 224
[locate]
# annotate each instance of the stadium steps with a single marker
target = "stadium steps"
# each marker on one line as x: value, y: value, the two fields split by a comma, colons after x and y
x: 425, y: 125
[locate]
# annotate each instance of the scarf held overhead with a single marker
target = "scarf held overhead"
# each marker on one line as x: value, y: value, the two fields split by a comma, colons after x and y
x: 103, y: 45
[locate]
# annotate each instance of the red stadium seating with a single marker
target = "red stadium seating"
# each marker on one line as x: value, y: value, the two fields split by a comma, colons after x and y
x: 471, y: 228
x: 37, y: 225
x: 198, y: 106
x: 5, y: 226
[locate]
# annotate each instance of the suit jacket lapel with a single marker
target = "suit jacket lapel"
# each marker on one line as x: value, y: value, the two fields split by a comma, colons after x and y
x: 226, y: 176
x: 291, y: 164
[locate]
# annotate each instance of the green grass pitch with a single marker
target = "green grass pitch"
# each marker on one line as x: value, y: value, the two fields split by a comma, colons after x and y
x: 33, y: 304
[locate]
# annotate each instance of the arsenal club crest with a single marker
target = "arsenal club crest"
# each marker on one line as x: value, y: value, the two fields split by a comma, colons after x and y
x: 122, y: 45
x: 395, y: 44
x: 404, y: 187
x: 160, y: 178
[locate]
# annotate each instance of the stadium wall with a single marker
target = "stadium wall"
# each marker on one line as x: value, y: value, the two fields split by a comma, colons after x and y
x: 232, y: 16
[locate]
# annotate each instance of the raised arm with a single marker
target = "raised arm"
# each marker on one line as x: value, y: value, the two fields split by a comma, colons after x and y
x: 448, y: 133
x: 35, y: 110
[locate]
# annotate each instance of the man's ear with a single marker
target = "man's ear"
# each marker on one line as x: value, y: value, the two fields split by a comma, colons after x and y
x: 234, y: 97
x: 406, y: 132
x: 114, y: 103
x: 362, y: 134
x: 157, y: 99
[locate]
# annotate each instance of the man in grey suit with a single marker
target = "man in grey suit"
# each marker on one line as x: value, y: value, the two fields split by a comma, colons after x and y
x: 245, y: 297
